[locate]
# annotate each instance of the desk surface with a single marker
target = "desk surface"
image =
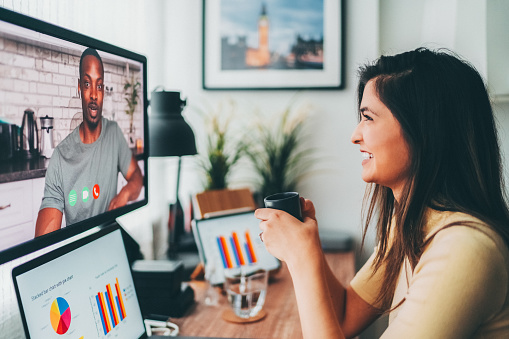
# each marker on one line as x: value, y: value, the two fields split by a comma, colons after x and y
x: 282, y: 320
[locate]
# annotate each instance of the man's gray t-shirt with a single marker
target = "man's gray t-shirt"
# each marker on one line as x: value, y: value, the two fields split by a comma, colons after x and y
x: 82, y: 178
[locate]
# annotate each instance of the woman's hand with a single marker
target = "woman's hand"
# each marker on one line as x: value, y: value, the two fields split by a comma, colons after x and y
x: 285, y: 237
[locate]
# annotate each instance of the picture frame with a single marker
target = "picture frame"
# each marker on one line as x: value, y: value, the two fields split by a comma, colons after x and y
x: 273, y: 44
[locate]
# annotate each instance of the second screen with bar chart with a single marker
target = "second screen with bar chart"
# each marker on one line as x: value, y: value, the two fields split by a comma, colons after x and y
x: 232, y: 241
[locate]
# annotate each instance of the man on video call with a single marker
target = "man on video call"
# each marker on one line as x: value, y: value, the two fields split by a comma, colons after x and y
x: 82, y: 175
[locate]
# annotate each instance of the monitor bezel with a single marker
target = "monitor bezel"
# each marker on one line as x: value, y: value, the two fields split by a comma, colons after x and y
x: 107, y: 217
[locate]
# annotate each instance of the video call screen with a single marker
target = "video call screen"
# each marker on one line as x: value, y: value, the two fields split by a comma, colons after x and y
x: 50, y: 115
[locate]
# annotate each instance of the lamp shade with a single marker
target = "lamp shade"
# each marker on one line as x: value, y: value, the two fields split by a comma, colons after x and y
x: 170, y: 135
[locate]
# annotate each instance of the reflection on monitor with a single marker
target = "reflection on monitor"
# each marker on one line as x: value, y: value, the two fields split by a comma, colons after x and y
x: 73, y: 129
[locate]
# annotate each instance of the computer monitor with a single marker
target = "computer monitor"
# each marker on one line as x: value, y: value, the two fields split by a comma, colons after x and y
x: 73, y: 133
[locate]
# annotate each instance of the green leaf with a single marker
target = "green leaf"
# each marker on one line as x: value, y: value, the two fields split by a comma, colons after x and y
x: 277, y: 155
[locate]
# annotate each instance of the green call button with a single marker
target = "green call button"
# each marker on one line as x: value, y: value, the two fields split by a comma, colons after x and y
x: 73, y: 197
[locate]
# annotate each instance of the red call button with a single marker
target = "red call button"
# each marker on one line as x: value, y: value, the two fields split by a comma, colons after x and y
x: 96, y: 191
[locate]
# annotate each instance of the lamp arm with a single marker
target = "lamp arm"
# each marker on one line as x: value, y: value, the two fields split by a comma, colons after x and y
x: 174, y: 211
x: 178, y: 180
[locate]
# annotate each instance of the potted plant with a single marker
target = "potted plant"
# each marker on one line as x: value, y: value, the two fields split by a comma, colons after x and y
x: 222, y: 153
x: 131, y: 95
x: 278, y: 154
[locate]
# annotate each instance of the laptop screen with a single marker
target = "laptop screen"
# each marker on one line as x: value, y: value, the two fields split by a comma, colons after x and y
x: 231, y: 241
x: 82, y: 290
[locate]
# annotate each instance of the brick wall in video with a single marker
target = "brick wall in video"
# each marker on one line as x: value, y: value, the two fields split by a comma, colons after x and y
x: 46, y: 81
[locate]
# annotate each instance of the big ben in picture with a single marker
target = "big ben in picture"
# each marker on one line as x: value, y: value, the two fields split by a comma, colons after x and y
x: 260, y: 57
x: 263, y: 32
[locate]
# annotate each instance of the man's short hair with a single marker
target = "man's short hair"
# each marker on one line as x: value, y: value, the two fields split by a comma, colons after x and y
x: 89, y: 51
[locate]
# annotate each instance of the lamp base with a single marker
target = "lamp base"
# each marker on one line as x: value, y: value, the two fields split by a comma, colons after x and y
x: 186, y: 243
x: 185, y: 250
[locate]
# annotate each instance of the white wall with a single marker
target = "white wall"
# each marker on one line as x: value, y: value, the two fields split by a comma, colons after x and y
x: 454, y: 24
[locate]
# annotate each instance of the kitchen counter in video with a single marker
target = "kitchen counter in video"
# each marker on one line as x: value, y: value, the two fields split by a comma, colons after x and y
x: 17, y: 169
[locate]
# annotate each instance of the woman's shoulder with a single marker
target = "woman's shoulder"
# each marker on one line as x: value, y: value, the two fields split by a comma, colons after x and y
x: 466, y: 233
x: 463, y: 267
x: 439, y: 221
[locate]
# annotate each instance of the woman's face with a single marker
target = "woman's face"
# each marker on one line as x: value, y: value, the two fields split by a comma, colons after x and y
x: 385, y: 152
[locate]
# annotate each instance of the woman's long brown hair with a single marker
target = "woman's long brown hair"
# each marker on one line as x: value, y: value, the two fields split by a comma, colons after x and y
x: 444, y: 110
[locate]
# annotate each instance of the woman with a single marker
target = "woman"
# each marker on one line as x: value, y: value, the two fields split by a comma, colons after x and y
x: 430, y: 151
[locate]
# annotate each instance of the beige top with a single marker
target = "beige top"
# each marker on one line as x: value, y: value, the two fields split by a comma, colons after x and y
x: 459, y: 288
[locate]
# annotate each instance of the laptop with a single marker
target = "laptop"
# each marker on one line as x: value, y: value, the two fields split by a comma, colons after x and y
x: 82, y: 290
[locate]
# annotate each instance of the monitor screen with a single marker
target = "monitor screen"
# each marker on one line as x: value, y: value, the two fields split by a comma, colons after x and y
x: 73, y: 130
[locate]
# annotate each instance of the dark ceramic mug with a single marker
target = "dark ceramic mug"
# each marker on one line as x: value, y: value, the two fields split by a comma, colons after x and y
x: 286, y: 201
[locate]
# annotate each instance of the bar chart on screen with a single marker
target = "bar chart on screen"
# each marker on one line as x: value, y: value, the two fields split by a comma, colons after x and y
x: 108, y: 306
x: 232, y: 241
x: 236, y: 249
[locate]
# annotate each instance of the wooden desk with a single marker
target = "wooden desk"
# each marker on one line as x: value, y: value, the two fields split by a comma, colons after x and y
x: 282, y: 320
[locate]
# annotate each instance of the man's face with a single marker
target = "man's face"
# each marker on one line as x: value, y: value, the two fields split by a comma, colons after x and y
x: 91, y: 88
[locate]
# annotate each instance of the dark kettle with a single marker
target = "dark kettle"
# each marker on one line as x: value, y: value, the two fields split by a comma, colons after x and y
x: 29, y: 136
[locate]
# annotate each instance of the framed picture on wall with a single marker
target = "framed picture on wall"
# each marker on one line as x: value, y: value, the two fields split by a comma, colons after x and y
x: 272, y: 44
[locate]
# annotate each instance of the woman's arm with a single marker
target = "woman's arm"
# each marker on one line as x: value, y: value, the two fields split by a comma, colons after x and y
x: 353, y: 313
x: 316, y: 310
x: 325, y: 306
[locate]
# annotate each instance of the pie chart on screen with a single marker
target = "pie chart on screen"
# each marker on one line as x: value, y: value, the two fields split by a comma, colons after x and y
x: 60, y: 315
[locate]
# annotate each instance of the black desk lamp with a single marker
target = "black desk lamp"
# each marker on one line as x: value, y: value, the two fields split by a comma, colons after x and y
x: 170, y: 135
